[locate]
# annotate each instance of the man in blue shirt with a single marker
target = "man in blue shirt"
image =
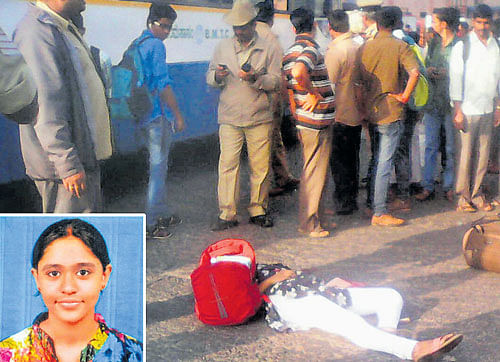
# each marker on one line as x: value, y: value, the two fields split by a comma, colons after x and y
x: 159, y: 126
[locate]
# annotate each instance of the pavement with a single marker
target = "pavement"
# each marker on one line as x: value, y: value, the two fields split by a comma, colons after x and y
x: 422, y: 260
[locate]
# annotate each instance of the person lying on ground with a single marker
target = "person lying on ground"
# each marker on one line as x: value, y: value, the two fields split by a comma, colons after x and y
x: 298, y: 301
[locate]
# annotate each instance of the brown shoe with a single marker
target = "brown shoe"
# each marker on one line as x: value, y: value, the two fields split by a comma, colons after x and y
x: 399, y: 205
x: 425, y: 195
x: 315, y: 234
x: 486, y: 207
x: 387, y: 220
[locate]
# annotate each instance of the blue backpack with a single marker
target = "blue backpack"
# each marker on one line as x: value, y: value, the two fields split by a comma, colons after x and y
x: 130, y: 96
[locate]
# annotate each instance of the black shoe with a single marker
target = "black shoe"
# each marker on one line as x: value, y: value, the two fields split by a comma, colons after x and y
x: 166, y: 222
x: 221, y: 224
x: 345, y: 211
x: 291, y: 185
x: 276, y: 191
x: 158, y: 232
x: 264, y: 221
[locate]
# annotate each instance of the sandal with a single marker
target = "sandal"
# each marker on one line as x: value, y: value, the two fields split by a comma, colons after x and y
x: 466, y: 208
x: 438, y: 347
x: 321, y: 233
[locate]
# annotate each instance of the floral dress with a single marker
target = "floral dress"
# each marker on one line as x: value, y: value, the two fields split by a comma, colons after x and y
x: 302, y: 285
x: 33, y: 344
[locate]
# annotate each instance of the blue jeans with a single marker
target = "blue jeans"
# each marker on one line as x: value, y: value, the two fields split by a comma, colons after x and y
x: 159, y: 140
x: 433, y: 122
x: 387, y: 141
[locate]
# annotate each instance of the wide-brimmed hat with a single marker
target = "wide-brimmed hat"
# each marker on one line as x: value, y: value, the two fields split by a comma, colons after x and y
x: 242, y: 13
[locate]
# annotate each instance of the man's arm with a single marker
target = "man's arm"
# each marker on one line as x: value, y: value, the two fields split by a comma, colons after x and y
x: 163, y: 83
x: 217, y: 69
x: 333, y: 63
x: 410, y: 86
x: 301, y: 74
x: 281, y: 275
x: 168, y: 97
x: 17, y: 88
x: 457, y: 84
x: 408, y: 60
x: 268, y: 79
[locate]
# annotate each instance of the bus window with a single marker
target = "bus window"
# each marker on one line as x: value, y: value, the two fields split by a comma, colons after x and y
x: 225, y: 4
x: 318, y: 6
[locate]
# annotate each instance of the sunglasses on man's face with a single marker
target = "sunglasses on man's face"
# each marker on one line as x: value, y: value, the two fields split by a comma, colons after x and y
x: 162, y: 25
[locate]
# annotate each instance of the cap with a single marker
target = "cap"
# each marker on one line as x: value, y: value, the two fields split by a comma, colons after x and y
x: 241, y: 14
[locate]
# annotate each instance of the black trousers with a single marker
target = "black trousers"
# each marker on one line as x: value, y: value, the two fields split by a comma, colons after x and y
x: 402, y: 160
x: 344, y: 165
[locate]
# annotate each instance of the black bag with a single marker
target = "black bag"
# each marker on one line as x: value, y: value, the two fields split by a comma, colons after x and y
x: 130, y: 95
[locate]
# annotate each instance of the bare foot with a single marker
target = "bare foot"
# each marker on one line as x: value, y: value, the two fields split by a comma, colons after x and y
x: 432, y: 349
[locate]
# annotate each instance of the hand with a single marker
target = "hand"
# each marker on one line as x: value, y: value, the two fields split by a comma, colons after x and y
x: 497, y: 117
x: 179, y: 123
x: 339, y: 283
x: 249, y: 76
x: 401, y: 97
x: 284, y: 274
x: 458, y: 121
x: 75, y: 184
x: 311, y: 101
x: 432, y: 72
x: 221, y: 73
x: 436, y: 73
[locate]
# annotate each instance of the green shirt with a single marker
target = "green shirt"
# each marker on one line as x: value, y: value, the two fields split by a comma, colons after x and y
x: 439, y: 57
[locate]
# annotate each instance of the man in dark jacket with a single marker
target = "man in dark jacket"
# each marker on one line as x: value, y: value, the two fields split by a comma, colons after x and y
x: 62, y: 147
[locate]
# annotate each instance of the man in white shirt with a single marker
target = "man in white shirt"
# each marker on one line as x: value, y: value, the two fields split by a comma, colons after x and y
x: 474, y: 90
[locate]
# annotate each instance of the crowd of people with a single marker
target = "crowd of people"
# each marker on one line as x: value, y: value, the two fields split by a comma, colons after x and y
x: 364, y: 85
x: 364, y: 81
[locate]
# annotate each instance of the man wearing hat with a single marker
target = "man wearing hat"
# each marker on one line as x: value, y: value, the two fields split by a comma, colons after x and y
x: 244, y: 67
x: 369, y: 8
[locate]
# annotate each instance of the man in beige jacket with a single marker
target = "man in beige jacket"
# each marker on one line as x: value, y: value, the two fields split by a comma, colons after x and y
x: 245, y: 68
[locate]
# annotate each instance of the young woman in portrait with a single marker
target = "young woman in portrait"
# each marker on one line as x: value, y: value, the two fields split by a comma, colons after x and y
x: 71, y: 267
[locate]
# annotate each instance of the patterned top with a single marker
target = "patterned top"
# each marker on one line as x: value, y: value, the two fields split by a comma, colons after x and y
x: 302, y: 285
x: 305, y: 50
x: 33, y: 344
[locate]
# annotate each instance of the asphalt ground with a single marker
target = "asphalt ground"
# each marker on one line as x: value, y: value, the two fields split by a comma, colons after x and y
x: 422, y: 260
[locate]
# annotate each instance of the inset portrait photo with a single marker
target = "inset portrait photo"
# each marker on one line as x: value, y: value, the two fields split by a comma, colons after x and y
x: 72, y: 287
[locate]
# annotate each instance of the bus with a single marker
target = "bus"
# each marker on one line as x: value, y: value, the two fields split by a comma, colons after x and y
x: 111, y: 25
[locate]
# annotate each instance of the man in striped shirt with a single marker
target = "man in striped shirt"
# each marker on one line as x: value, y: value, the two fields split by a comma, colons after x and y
x: 312, y: 103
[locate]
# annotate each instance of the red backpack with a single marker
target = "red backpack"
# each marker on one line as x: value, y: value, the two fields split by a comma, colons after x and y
x: 224, y: 286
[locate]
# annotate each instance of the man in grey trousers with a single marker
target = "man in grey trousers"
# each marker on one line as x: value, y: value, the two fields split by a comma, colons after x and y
x: 62, y: 147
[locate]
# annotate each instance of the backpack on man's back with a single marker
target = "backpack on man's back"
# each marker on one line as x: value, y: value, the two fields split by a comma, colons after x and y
x: 130, y: 96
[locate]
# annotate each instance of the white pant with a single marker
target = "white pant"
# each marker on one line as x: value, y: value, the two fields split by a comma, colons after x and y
x: 316, y: 311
